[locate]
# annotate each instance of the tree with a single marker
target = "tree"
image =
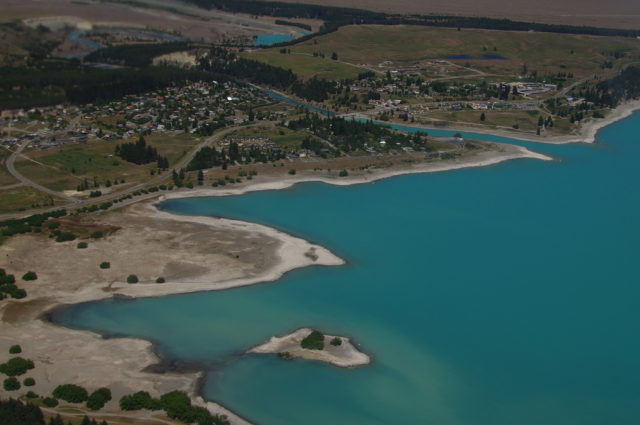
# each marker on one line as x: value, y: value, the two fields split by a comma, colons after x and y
x: 49, y: 402
x: 97, y: 234
x: 160, y: 280
x: 200, y: 177
x: 15, y: 349
x: 30, y: 276
x: 98, y: 398
x: 16, y: 366
x: 132, y: 278
x: 336, y: 341
x: 334, y: 56
x: 82, y: 245
x: 540, y: 121
x: 71, y: 393
x: 29, y: 382
x: 313, y: 341
x: 292, y: 171
x: 11, y: 384
x: 105, y: 265
x: 482, y: 117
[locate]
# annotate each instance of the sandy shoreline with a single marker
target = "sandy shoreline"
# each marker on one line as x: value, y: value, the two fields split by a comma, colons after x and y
x: 235, y: 253
x: 586, y: 132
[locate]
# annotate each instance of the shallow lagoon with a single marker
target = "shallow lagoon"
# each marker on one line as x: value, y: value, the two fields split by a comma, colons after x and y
x: 499, y: 295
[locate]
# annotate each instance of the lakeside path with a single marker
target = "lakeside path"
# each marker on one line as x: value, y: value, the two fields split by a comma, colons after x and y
x: 192, y: 253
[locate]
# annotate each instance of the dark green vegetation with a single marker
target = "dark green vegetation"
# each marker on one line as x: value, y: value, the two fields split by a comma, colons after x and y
x: 134, y: 55
x: 71, y: 393
x: 11, y: 384
x: 15, y: 412
x: 8, y: 288
x: 132, y: 278
x: 30, y: 276
x: 29, y: 382
x: 350, y: 135
x: 59, y: 82
x: 141, y: 153
x: 49, y: 402
x: 105, y: 265
x: 209, y: 157
x: 336, y: 341
x: 98, y: 398
x: 27, y: 224
x: 176, y: 405
x: 293, y: 24
x: 82, y: 245
x: 15, y: 349
x: 314, y: 341
x: 16, y: 366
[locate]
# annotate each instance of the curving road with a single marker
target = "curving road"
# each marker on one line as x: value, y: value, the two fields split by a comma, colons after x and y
x: 77, y: 203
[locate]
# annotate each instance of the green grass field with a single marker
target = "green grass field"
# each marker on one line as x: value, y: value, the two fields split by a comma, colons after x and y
x: 65, y: 167
x: 403, y: 45
x: 22, y: 198
x: 306, y: 65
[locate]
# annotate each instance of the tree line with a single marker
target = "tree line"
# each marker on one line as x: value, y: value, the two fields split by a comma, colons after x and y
x: 15, y: 412
x: 134, y: 55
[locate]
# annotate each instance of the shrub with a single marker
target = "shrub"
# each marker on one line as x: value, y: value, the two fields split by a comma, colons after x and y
x: 49, y: 402
x: 160, y: 280
x: 132, y: 278
x: 71, y: 393
x: 336, y: 341
x: 11, y: 384
x: 343, y: 173
x: 82, y: 245
x: 16, y: 366
x: 6, y: 278
x: 15, y: 349
x: 31, y: 394
x: 97, y: 234
x: 30, y: 276
x: 292, y: 171
x: 98, y: 398
x: 314, y: 341
x: 29, y: 382
x: 65, y: 236
x: 53, y: 225
x: 105, y: 265
x: 139, y: 400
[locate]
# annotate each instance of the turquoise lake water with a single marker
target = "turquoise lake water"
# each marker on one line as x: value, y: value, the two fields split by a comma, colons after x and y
x: 502, y: 295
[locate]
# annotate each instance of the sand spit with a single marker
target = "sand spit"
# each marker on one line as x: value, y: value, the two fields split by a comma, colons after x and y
x: 191, y: 253
x: 343, y: 355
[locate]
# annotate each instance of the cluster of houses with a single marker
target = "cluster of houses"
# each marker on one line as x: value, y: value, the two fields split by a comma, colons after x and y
x: 196, y: 108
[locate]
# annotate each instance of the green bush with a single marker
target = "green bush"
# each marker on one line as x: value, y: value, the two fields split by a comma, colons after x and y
x: 132, y: 278
x: 29, y: 382
x: 343, y: 173
x: 139, y: 400
x: 16, y: 366
x: 314, y: 341
x: 82, y: 245
x: 6, y: 279
x: 71, y: 393
x: 15, y: 349
x: 49, y: 402
x: 30, y: 276
x: 11, y: 384
x: 31, y: 394
x: 336, y: 341
x: 105, y: 265
x: 98, y: 398
x: 53, y: 226
x: 160, y: 280
x: 97, y: 234
x: 292, y: 171
x: 65, y: 236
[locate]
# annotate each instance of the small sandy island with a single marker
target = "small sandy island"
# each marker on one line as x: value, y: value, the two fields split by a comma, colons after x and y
x: 288, y: 346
